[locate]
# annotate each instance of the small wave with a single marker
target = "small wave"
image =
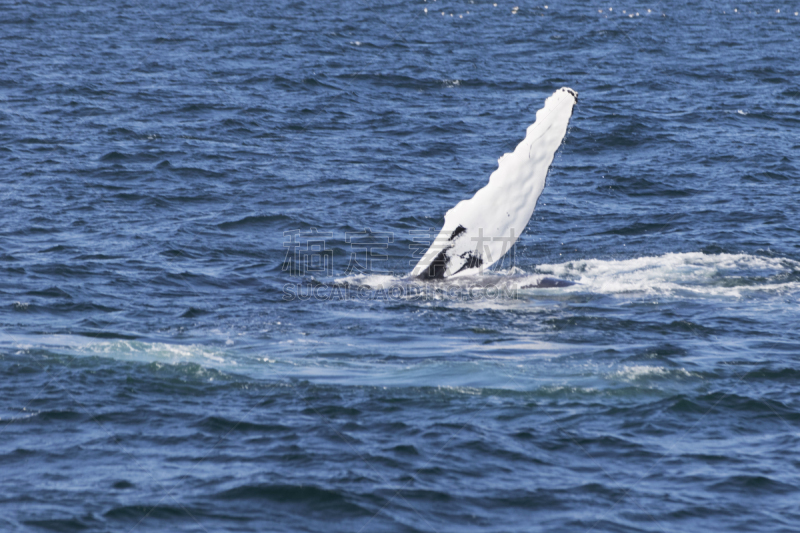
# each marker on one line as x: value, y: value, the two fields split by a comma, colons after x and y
x: 124, y: 349
x: 317, y: 499
x: 254, y: 221
x: 158, y: 351
x: 643, y: 372
x: 224, y: 426
x: 114, y: 156
x: 749, y: 484
x: 136, y: 513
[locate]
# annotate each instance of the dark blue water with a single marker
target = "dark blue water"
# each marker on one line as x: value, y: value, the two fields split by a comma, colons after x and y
x: 164, y: 366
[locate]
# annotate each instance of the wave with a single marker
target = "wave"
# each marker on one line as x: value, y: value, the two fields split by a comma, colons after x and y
x: 127, y: 350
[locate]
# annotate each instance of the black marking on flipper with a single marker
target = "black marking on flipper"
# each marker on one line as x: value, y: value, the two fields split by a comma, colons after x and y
x: 573, y: 93
x: 456, y: 232
x: 437, y: 268
x: 473, y: 260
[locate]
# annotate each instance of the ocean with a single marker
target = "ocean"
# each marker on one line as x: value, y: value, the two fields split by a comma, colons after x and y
x: 208, y: 215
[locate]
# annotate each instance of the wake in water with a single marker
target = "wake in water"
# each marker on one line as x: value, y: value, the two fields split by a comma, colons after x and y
x: 277, y: 349
x: 683, y: 275
x: 673, y: 275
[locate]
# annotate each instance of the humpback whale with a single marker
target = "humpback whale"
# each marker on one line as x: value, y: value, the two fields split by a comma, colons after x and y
x: 477, y: 232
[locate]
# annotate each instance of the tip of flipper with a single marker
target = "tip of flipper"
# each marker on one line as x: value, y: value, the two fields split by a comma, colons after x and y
x: 573, y: 92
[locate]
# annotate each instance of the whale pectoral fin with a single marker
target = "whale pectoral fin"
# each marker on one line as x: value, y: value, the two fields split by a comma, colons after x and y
x: 491, y: 221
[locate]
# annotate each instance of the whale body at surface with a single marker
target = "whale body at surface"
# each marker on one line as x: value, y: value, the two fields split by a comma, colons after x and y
x: 479, y: 231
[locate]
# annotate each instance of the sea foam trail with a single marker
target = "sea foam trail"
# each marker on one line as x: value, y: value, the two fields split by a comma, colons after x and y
x: 479, y: 231
x: 678, y: 275
x: 683, y: 275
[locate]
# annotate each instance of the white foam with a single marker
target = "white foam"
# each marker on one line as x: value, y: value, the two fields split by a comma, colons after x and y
x: 159, y: 351
x: 675, y: 274
x: 171, y: 353
x: 373, y: 281
x: 632, y: 373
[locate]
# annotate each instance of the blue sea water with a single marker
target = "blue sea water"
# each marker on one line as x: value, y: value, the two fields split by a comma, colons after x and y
x: 168, y: 364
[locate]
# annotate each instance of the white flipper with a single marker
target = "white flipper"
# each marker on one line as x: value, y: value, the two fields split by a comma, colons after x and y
x: 479, y: 231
